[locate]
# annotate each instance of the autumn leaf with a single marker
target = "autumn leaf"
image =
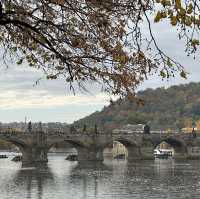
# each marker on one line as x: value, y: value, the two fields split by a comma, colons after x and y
x: 162, y: 74
x: 158, y: 17
x: 183, y: 74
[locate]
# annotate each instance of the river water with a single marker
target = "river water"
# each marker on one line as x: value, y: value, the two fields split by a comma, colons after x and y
x: 62, y: 179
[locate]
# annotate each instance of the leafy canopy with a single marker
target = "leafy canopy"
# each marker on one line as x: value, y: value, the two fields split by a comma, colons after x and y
x: 95, y: 40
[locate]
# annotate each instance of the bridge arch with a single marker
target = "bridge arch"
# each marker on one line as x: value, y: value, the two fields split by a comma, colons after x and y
x: 13, y: 140
x: 21, y: 145
x: 179, y: 147
x: 62, y: 147
x: 130, y: 148
x: 80, y: 149
x: 74, y: 143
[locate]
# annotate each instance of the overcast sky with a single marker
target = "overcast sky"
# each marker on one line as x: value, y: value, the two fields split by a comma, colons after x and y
x: 52, y: 101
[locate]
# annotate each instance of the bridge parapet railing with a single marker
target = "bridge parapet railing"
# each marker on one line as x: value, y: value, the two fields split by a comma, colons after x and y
x: 117, y: 131
x: 159, y: 132
x: 8, y: 132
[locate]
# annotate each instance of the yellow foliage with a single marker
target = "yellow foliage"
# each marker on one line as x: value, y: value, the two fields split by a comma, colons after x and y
x: 188, y: 21
x: 198, y: 124
x: 158, y: 17
x: 190, y: 9
x: 195, y: 42
x: 178, y: 4
x: 188, y: 123
x: 173, y: 20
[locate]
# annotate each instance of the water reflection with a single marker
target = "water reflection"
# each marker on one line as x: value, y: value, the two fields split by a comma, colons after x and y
x: 33, y: 179
x: 61, y: 179
x: 87, y: 177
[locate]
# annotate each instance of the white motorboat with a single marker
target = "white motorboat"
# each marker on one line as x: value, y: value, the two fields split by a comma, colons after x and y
x: 162, y: 153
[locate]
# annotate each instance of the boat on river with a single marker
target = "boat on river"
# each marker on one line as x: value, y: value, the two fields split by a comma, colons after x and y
x: 3, y: 156
x: 162, y: 153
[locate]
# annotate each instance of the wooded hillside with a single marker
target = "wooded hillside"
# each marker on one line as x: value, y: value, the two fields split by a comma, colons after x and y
x: 172, y: 108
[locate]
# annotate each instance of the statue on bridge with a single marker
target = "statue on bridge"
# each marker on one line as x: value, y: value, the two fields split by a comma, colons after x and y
x: 84, y: 128
x: 146, y: 129
x: 29, y: 127
x: 193, y: 129
x: 194, y: 135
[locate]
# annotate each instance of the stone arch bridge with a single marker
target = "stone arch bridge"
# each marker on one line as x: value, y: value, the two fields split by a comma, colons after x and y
x: 34, y: 145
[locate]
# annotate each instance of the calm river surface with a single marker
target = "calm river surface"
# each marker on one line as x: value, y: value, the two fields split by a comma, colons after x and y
x: 62, y: 179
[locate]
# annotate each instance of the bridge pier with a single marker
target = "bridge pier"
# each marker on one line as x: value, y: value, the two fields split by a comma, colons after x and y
x: 147, y: 153
x: 91, y: 154
x: 37, y: 151
x: 193, y: 152
x: 34, y: 155
x: 134, y: 153
x: 140, y: 153
x: 180, y: 156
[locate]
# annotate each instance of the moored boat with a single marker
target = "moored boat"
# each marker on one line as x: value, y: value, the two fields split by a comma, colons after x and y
x: 3, y: 156
x: 162, y: 153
